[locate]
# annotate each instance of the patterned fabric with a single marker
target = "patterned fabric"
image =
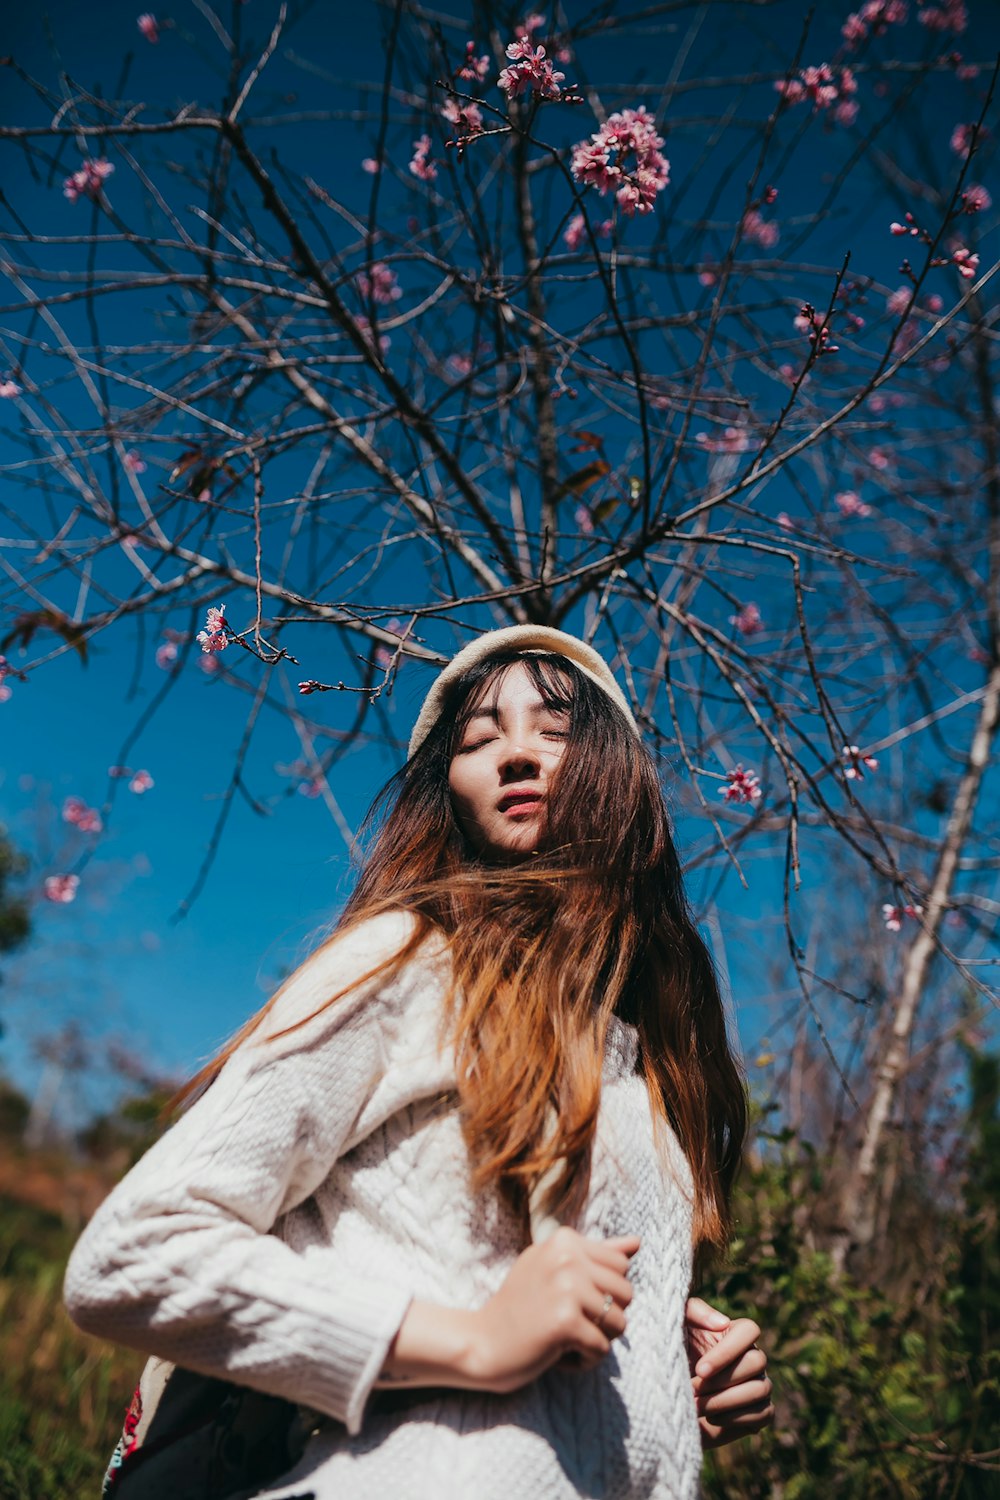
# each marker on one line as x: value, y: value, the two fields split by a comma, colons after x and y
x: 275, y: 1236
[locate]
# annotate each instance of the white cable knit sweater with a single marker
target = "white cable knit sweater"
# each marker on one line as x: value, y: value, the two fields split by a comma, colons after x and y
x: 275, y: 1236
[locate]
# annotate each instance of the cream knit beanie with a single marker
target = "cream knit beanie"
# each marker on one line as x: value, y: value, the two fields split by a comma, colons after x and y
x: 531, y: 639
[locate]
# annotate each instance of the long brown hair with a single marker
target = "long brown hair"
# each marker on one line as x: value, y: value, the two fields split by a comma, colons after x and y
x: 593, y: 924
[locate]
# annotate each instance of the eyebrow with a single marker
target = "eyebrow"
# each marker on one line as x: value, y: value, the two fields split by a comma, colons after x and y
x: 540, y: 707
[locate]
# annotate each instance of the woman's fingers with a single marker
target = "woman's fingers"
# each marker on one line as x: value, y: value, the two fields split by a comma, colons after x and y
x: 748, y: 1367
x: 700, y: 1314
x: 738, y: 1339
x: 751, y: 1396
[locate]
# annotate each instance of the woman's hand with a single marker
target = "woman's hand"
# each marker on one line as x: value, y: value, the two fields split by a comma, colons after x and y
x: 563, y: 1300
x: 728, y: 1373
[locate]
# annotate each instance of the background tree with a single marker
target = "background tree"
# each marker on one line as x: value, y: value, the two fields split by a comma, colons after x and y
x: 699, y: 364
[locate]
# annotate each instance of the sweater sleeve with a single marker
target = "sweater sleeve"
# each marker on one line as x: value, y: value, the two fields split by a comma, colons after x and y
x: 178, y: 1260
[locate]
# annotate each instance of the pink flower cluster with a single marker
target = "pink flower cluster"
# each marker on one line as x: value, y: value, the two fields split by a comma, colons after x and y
x: 824, y: 89
x: 850, y: 503
x: 474, y: 68
x: 381, y: 285
x: 530, y: 72
x: 893, y: 915
x: 420, y: 165
x: 730, y: 440
x: 945, y: 15
x: 743, y: 786
x: 875, y: 16
x: 87, y: 819
x: 61, y: 887
x: 855, y: 760
x: 213, y: 637
x: 89, y: 180
x: 465, y: 117
x: 576, y: 231
x: 138, y: 781
x: 760, y: 231
x: 807, y: 320
x: 748, y: 620
x: 966, y: 262
x: 9, y: 389
x: 601, y: 160
x: 147, y: 24
x: 976, y: 199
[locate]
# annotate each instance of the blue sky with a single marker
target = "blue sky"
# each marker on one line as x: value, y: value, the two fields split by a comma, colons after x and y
x: 117, y: 961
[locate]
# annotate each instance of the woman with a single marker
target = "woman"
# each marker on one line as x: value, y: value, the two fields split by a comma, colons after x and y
x: 443, y: 1193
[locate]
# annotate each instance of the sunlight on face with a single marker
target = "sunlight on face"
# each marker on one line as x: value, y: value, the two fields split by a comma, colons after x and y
x: 503, y: 767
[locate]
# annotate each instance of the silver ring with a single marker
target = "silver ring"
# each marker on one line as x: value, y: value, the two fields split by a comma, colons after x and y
x: 606, y: 1307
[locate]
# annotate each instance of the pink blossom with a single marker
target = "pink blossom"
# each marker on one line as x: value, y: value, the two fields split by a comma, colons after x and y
x: 600, y: 161
x: 383, y: 655
x: 370, y: 165
x: 213, y: 637
x: 760, y: 231
x: 9, y: 389
x: 584, y: 520
x: 530, y: 72
x: 707, y: 278
x: 877, y: 15
x: 166, y: 655
x: 824, y: 89
x: 465, y: 117
x: 730, y: 440
x: 5, y: 670
x: 880, y: 459
x: 89, y: 180
x: 420, y: 166
x: 381, y: 285
x: 898, y: 301
x: 975, y: 199
x: 309, y: 686
x: 576, y: 231
x: 474, y: 68
x: 459, y: 365
x: 364, y: 327
x: 5, y: 692
x: 141, y: 782
x: 87, y: 819
x: 61, y: 887
x: 850, y: 503
x: 311, y: 788
x: 743, y: 786
x: 134, y: 461
x: 147, y: 25
x: 945, y: 15
x: 748, y: 620
x: 893, y: 915
x: 961, y: 139
x: 785, y: 521
x: 855, y: 760
x: 965, y: 261
x: 531, y: 23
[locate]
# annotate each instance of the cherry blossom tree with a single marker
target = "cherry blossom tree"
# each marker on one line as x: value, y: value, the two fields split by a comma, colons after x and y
x: 700, y: 367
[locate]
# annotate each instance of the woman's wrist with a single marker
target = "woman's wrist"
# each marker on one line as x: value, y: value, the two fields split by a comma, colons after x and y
x: 436, y: 1346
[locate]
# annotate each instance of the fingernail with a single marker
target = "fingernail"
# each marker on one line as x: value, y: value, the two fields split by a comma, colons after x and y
x: 703, y: 1367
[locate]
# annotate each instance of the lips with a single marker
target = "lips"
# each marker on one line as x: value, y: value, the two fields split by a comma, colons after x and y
x: 519, y: 802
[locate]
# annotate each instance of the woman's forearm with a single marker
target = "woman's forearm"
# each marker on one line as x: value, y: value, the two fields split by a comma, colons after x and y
x: 434, y: 1346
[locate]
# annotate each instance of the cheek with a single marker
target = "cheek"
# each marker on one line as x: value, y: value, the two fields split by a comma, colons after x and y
x: 468, y: 795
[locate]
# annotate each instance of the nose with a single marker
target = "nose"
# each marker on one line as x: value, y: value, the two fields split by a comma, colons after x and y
x: 517, y: 762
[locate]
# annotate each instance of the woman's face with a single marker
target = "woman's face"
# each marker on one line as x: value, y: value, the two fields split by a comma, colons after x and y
x: 503, y: 767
